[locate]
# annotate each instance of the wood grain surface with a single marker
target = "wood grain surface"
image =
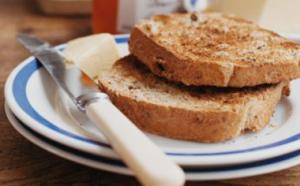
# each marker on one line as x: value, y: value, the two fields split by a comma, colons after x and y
x: 22, y: 163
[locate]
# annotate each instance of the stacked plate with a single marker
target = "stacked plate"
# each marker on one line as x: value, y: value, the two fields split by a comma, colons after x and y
x: 43, y: 115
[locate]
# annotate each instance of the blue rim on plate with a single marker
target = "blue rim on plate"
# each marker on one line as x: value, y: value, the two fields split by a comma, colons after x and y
x: 191, y: 170
x: 19, y: 92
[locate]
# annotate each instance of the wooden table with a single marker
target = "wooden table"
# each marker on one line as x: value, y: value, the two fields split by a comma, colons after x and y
x: 22, y: 163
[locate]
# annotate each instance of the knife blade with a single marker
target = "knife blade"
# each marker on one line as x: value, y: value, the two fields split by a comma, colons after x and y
x: 146, y: 160
x: 69, y: 79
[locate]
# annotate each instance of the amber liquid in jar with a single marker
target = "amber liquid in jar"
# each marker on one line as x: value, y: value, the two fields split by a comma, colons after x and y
x: 105, y: 16
x: 119, y: 16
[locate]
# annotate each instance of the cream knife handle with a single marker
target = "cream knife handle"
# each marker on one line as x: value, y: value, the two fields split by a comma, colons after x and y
x: 150, y: 165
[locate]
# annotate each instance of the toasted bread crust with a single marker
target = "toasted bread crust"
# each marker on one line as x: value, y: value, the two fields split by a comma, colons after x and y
x: 219, y: 60
x: 249, y: 110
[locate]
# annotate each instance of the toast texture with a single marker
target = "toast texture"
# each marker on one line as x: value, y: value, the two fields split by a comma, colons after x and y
x: 215, y: 50
x: 203, y: 114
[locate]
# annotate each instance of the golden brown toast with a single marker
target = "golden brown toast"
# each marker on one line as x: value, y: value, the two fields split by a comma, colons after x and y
x: 190, y: 113
x: 214, y: 49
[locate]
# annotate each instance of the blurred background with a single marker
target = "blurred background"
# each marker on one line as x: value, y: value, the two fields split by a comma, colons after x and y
x: 118, y: 16
x: 51, y: 18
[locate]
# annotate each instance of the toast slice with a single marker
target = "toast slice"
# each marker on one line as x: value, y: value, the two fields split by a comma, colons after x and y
x: 214, y: 49
x: 203, y: 114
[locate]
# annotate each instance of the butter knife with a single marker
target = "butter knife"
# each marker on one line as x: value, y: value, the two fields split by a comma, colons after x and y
x: 150, y: 165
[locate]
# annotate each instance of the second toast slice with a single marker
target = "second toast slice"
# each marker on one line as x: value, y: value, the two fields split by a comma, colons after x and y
x: 189, y: 113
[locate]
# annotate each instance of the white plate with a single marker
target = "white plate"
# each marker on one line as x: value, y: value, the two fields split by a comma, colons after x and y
x: 99, y: 162
x: 34, y: 98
